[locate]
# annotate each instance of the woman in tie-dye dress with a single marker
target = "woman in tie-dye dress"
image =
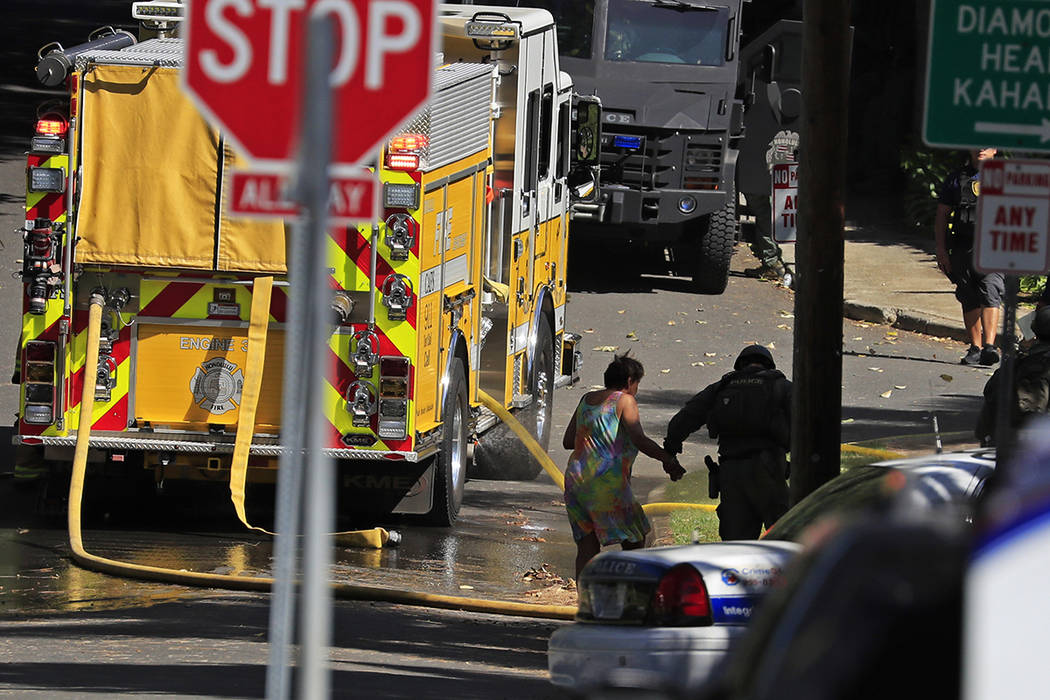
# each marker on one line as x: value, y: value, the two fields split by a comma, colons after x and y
x: 605, y: 435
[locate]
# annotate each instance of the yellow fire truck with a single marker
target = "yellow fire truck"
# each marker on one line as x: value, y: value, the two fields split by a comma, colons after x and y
x: 457, y: 289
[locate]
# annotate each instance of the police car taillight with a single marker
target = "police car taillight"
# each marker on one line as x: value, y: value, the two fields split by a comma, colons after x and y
x: 681, y: 598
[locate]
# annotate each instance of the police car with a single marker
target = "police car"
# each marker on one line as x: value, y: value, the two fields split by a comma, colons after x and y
x: 663, y: 618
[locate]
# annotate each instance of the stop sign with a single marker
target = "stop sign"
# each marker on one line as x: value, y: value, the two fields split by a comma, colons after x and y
x: 244, y: 69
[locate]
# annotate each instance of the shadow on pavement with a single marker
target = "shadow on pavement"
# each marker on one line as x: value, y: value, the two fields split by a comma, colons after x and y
x: 217, y: 648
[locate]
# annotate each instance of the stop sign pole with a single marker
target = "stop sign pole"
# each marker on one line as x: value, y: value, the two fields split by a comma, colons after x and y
x: 247, y: 63
x: 301, y: 410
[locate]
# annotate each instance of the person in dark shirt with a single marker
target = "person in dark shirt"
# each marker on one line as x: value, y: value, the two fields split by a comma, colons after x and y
x: 979, y: 294
x: 749, y: 412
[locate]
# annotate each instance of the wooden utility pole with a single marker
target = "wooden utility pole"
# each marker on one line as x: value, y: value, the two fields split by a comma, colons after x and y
x: 817, y: 373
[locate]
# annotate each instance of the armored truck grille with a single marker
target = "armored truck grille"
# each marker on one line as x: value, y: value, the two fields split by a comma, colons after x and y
x: 648, y: 168
x: 702, y: 169
x: 667, y: 160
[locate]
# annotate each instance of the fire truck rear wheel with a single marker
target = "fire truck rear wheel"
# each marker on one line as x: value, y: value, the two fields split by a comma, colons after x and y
x: 450, y: 464
x: 715, y: 250
x: 499, y: 453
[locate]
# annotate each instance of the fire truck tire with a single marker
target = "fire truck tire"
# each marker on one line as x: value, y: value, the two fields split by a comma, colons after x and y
x: 450, y: 464
x: 711, y: 267
x: 499, y: 453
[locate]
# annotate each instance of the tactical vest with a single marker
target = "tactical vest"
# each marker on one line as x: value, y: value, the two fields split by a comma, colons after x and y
x: 964, y: 216
x: 747, y: 413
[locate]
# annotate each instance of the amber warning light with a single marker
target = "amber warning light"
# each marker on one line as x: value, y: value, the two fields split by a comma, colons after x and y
x: 351, y: 197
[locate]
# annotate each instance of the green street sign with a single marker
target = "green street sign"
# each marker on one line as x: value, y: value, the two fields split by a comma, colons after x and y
x: 988, y: 75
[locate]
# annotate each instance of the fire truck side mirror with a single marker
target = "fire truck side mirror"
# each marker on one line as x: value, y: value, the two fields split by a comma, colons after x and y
x: 587, y: 131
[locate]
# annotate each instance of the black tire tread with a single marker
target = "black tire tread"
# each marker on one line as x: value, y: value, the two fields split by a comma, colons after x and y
x: 711, y: 273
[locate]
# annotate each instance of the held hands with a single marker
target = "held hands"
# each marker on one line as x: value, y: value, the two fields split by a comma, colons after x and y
x: 674, y: 470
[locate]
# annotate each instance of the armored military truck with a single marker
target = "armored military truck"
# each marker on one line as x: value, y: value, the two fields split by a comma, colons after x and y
x: 674, y: 90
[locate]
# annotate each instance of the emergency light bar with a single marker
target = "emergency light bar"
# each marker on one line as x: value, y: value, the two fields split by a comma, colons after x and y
x: 493, y: 30
x: 632, y: 142
x: 51, y: 127
x: 158, y: 11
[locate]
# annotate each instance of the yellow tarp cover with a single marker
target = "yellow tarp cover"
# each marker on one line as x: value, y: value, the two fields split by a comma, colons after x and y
x: 150, y: 181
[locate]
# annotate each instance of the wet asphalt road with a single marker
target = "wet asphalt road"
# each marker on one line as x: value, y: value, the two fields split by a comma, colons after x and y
x: 508, y: 528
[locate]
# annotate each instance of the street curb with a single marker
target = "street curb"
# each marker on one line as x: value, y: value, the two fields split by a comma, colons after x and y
x: 905, y: 320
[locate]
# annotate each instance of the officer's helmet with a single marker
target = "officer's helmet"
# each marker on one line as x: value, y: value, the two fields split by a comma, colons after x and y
x: 755, y: 353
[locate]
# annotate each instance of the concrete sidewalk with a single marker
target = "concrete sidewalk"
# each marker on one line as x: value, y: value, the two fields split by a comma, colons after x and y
x: 891, y: 274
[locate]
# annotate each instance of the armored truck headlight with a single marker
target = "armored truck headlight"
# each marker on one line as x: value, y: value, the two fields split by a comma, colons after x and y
x: 687, y: 205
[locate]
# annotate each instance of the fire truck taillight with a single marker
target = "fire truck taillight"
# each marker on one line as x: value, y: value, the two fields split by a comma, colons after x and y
x: 393, y: 397
x: 52, y: 127
x: 39, y: 382
x: 405, y: 152
x: 408, y: 162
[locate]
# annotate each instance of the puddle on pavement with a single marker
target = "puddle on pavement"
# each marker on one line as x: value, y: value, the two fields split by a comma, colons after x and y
x: 486, y: 555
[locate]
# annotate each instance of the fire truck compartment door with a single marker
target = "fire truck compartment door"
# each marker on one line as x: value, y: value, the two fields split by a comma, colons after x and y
x: 150, y: 169
x: 193, y: 375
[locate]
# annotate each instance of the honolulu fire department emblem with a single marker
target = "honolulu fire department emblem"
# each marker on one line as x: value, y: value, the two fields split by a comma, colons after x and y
x: 782, y: 149
x: 217, y: 385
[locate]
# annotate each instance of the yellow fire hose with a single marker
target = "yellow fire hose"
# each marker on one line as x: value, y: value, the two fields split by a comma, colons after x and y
x: 259, y: 583
x: 259, y: 322
x: 244, y: 583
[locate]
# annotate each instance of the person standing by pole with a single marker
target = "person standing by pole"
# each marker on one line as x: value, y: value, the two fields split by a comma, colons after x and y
x: 979, y: 294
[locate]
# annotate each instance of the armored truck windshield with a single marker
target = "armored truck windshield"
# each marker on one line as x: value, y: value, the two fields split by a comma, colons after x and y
x: 665, y: 32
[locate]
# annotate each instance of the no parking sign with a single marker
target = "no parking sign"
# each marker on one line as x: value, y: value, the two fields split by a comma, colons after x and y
x: 785, y: 202
x: 1013, y: 217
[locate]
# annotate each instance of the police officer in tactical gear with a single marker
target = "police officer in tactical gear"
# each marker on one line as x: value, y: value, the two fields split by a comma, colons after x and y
x: 749, y: 412
x: 979, y: 294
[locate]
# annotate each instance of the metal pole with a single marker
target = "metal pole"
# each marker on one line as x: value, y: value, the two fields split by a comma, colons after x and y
x: 817, y: 369
x: 1004, y: 429
x: 315, y: 622
x: 300, y: 404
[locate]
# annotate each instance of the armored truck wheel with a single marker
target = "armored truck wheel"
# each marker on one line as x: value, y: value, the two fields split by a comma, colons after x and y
x: 499, y: 453
x: 715, y: 249
x: 450, y: 464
